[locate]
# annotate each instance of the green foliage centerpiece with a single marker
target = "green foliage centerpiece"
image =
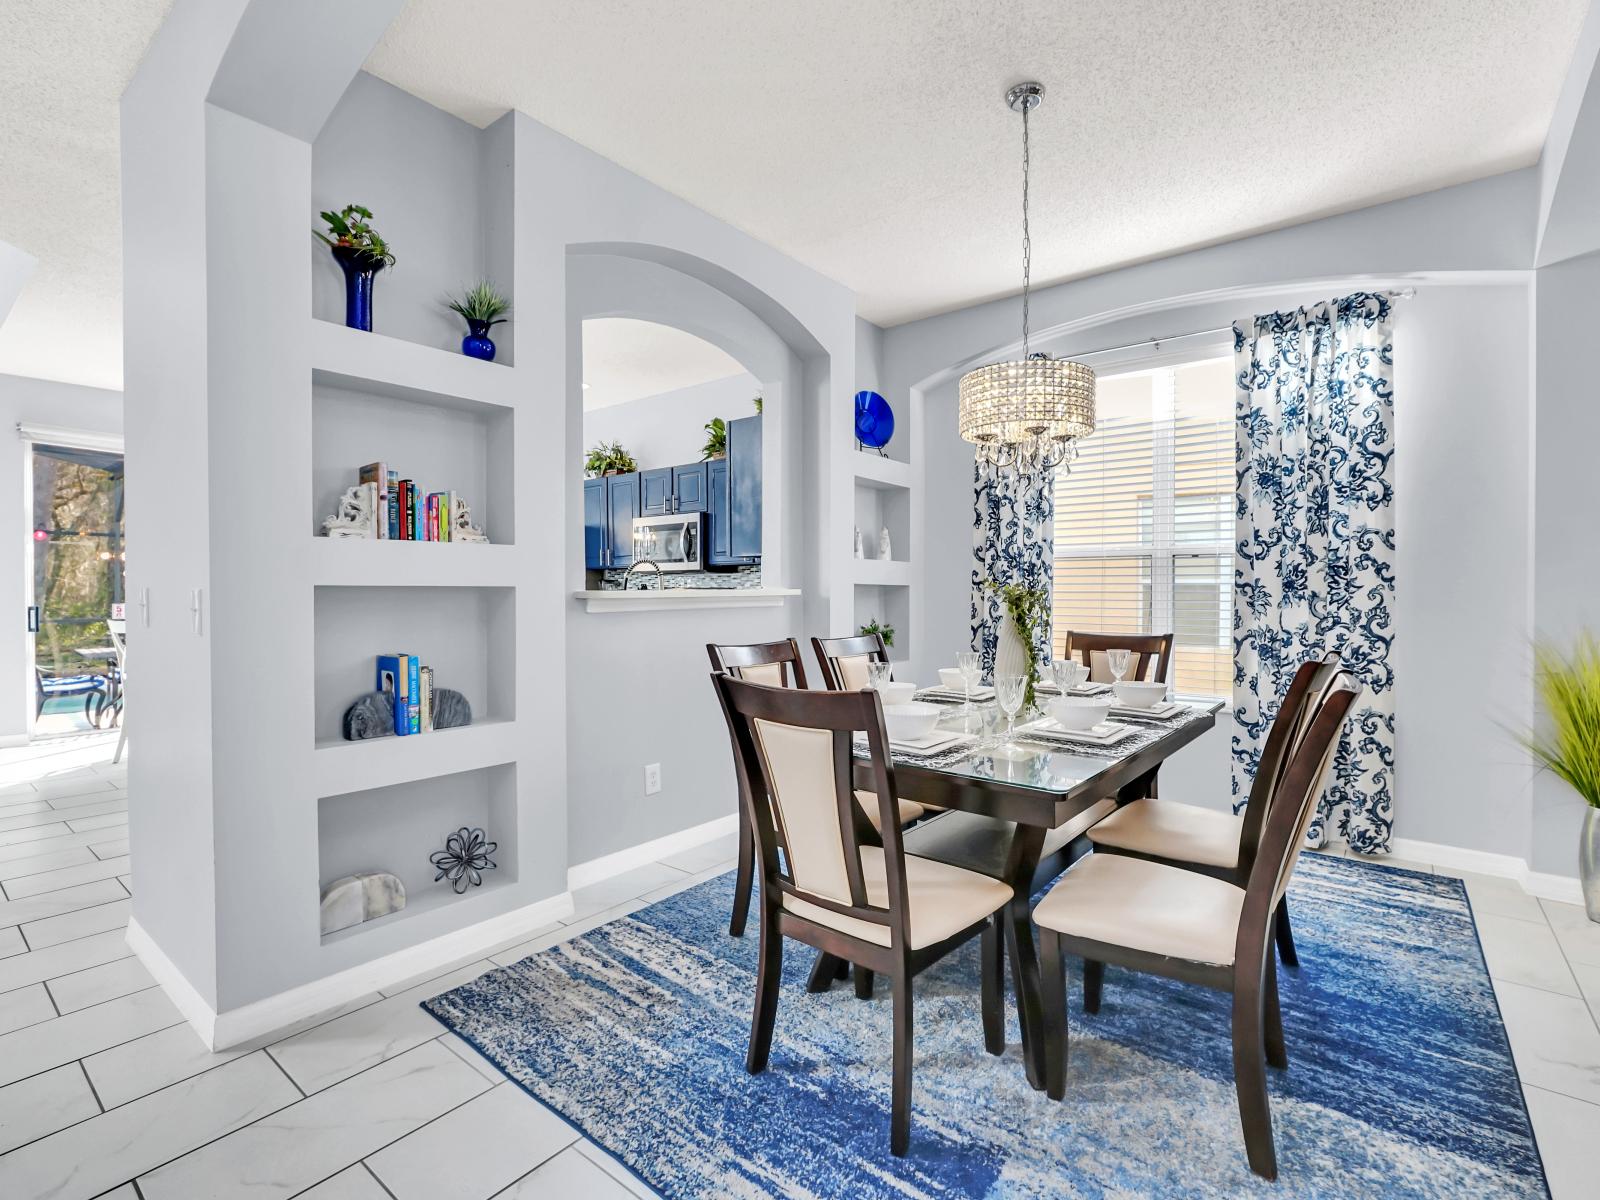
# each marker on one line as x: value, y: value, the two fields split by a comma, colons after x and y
x: 609, y: 458
x: 1027, y: 609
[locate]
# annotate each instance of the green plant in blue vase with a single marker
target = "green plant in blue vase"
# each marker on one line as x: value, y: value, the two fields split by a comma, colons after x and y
x: 482, y: 307
x: 361, y: 253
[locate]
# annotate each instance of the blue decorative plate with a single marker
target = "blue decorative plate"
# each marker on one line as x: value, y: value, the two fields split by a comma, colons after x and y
x: 874, y: 420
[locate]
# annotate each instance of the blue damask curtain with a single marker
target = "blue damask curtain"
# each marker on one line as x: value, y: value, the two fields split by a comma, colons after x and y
x: 1314, y: 569
x: 1013, y: 541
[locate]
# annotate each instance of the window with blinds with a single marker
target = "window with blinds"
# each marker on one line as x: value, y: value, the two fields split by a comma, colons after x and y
x: 1144, y: 520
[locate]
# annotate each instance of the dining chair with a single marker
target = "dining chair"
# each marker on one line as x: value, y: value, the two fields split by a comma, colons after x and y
x: 1223, y: 844
x: 1149, y: 650
x: 1163, y: 920
x: 823, y: 882
x: 844, y: 660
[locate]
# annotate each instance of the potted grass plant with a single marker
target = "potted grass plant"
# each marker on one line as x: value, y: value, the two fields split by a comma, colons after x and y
x: 1568, y: 743
x: 361, y: 253
x: 481, y: 306
x: 609, y: 458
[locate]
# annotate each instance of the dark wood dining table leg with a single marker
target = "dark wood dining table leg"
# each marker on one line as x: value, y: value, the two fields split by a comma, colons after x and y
x: 1027, y: 843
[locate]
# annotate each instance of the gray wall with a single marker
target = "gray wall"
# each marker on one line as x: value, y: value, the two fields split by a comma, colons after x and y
x: 668, y: 429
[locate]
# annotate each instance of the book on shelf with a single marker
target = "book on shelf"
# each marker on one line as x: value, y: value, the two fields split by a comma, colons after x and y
x: 394, y: 681
x: 404, y: 510
x: 378, y: 475
x: 426, y: 675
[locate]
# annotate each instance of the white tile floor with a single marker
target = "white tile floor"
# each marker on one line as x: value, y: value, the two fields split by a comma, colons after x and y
x: 105, y: 1091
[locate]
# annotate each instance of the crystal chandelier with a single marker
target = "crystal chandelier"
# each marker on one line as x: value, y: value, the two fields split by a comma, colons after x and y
x: 1027, y: 414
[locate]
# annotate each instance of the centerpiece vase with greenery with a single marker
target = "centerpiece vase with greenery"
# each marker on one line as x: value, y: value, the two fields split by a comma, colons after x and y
x: 482, y: 307
x: 1016, y: 650
x: 361, y: 253
x: 609, y: 458
x: 1568, y: 687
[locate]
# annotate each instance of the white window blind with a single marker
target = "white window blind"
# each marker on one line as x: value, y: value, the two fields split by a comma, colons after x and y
x: 1144, y: 521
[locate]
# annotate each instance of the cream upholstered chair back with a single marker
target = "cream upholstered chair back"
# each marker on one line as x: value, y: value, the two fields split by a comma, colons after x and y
x: 1152, y: 654
x: 775, y: 664
x: 844, y: 660
x: 1307, y: 690
x: 794, y: 748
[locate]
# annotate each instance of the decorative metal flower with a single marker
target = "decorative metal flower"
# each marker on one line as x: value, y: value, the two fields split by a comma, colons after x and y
x: 464, y: 859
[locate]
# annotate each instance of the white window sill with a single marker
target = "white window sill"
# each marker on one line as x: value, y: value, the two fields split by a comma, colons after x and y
x: 679, y: 599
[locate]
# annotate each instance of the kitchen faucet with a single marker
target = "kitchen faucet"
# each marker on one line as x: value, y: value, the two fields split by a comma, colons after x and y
x: 642, y: 562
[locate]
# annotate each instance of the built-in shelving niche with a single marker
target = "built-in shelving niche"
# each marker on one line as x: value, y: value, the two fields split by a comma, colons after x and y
x: 443, y: 442
x: 396, y: 828
x: 466, y: 634
x: 887, y: 603
x: 881, y: 507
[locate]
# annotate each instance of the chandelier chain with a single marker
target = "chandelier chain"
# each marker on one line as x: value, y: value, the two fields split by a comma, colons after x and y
x: 1027, y: 240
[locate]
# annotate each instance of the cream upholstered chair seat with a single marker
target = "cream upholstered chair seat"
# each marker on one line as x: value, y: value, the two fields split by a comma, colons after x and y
x: 1058, y: 837
x: 910, y: 810
x: 1145, y: 906
x: 1166, y: 829
x: 941, y: 900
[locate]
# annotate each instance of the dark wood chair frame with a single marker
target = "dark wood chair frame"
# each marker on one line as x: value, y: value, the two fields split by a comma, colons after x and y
x: 1252, y: 979
x: 730, y: 660
x: 1145, y: 646
x: 830, y: 650
x: 1306, y: 690
x: 842, y: 713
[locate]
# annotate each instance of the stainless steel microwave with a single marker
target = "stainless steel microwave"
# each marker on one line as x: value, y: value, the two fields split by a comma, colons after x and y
x: 674, y: 541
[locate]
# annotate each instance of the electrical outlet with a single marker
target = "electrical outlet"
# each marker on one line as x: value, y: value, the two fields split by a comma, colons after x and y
x: 652, y: 778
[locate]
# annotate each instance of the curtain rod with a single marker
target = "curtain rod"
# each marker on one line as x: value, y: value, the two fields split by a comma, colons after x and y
x: 1157, y: 342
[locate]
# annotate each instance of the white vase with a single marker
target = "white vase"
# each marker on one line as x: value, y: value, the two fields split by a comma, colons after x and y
x: 1011, y: 653
x: 1589, y: 861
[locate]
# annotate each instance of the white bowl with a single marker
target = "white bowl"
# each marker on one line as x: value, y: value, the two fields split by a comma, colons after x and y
x: 1078, y: 712
x: 896, y: 693
x: 1140, y: 695
x: 951, y: 678
x: 910, y: 722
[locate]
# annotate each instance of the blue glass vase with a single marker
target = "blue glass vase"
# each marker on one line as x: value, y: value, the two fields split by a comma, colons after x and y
x: 359, y: 269
x: 477, y: 344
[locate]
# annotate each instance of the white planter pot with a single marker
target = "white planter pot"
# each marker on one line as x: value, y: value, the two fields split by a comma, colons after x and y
x: 1011, y: 656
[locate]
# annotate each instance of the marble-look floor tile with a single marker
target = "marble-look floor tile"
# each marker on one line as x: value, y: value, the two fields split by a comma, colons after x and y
x: 24, y: 1007
x: 567, y: 932
x: 63, y: 959
x: 317, y: 1137
x: 39, y: 1047
x: 352, y: 1183
x: 119, y: 1145
x: 152, y: 1062
x: 614, y: 1169
x: 1579, y: 936
x: 116, y: 848
x: 52, y: 931
x: 416, y: 981
x: 569, y: 1173
x: 96, y: 985
x: 116, y: 814
x: 64, y: 840
x: 510, y: 1132
x: 1554, y: 1040
x: 23, y: 807
x: 597, y: 897
x: 1565, y: 1129
x: 1522, y: 952
x: 33, y: 833
x: 40, y: 1105
x: 1588, y: 980
x: 77, y: 785
x: 469, y: 1055
x: 29, y: 816
x: 338, y: 1049
x: 51, y: 904
x: 1501, y: 898
x: 126, y: 1192
x: 11, y: 941
x: 703, y: 857
x: 51, y: 881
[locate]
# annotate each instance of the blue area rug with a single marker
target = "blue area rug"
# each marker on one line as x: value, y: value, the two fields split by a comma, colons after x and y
x: 1400, y: 1082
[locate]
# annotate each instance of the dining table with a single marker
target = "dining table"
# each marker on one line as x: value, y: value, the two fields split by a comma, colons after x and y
x: 1001, y: 800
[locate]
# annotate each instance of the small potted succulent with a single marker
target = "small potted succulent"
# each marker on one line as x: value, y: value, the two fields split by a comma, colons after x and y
x: 482, y: 307
x: 716, y: 440
x: 609, y: 458
x: 361, y: 253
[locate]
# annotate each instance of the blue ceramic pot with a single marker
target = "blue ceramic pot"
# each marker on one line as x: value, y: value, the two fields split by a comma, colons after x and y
x: 359, y: 269
x: 477, y: 344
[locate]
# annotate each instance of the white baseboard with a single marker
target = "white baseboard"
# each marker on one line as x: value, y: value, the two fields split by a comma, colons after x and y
x: 604, y: 867
x: 1506, y: 866
x: 262, y: 1018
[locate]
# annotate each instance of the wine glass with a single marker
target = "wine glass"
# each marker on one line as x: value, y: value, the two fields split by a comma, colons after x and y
x: 1008, y: 693
x: 1118, y: 661
x: 970, y: 664
x: 877, y: 674
x: 1067, y: 673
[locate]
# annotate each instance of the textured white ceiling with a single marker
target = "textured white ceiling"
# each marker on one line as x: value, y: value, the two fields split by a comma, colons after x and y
x: 63, y: 66
x: 869, y: 140
x: 625, y: 360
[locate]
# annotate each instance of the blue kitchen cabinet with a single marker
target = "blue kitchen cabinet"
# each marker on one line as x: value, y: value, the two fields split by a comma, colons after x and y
x: 622, y: 506
x: 719, y: 551
x: 689, y: 488
x: 744, y: 488
x: 655, y: 492
x: 594, y: 523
